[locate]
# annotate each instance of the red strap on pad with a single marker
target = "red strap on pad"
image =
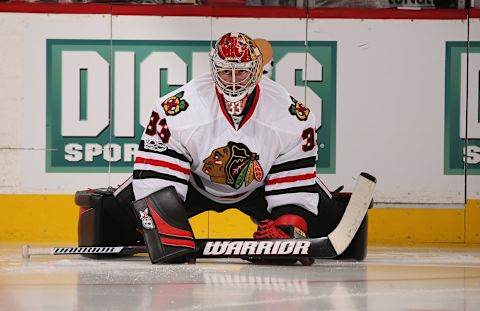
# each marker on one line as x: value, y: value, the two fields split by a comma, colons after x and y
x: 173, y: 233
x: 292, y: 220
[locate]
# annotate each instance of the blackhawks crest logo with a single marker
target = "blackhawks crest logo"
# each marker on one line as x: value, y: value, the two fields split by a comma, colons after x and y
x: 233, y: 165
x: 175, y: 104
x: 298, y: 109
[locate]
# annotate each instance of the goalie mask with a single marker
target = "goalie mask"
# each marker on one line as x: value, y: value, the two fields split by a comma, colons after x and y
x: 236, y: 64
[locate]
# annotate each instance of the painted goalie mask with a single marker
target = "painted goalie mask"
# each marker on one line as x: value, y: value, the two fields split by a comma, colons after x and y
x: 236, y: 64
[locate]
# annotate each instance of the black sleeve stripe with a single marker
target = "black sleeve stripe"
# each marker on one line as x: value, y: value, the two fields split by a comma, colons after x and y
x: 198, y: 180
x: 140, y: 174
x: 293, y: 165
x: 168, y: 152
x: 310, y: 189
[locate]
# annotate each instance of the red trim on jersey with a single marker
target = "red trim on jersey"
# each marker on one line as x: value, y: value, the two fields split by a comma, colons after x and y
x: 252, y: 109
x: 222, y: 107
x: 177, y: 242
x: 163, y: 227
x: 290, y: 178
x: 165, y: 164
x: 250, y: 112
x: 292, y: 220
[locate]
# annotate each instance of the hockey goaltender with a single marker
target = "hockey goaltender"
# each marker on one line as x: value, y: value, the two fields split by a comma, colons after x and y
x: 229, y: 138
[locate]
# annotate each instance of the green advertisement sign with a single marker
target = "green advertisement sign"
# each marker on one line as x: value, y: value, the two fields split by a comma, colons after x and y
x: 99, y: 91
x: 462, y: 118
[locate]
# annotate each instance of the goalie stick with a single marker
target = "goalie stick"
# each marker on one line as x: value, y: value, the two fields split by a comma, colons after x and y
x: 330, y: 246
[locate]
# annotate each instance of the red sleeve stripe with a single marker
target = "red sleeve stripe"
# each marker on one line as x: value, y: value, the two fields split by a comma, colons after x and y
x: 165, y: 164
x: 164, y: 228
x: 290, y: 179
x: 177, y: 242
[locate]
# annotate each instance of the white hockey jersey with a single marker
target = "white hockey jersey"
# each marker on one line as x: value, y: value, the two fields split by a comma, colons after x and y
x: 191, y: 139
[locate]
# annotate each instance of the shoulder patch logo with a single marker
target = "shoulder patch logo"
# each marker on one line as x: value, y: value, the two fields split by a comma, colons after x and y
x: 154, y: 145
x: 298, y: 109
x: 175, y: 104
x: 233, y: 165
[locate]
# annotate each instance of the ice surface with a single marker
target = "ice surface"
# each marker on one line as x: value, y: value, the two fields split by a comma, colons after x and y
x: 389, y: 279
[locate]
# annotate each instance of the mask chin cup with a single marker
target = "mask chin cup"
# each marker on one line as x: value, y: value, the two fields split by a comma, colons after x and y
x: 234, y: 99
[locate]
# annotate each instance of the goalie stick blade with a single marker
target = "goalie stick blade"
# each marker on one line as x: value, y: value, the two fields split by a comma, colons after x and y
x: 357, y: 208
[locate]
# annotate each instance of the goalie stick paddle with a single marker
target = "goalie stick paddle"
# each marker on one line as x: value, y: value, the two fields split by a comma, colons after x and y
x: 330, y: 246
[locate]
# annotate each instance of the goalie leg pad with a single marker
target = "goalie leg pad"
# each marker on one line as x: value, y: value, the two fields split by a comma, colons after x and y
x: 168, y: 235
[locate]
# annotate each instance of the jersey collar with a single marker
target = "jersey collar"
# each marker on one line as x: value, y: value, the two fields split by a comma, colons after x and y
x: 250, y: 108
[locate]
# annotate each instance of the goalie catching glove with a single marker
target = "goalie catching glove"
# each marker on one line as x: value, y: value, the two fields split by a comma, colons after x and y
x: 167, y: 233
x: 284, y: 227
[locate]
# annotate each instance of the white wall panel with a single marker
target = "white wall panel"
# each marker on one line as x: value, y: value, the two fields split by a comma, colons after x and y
x: 389, y: 97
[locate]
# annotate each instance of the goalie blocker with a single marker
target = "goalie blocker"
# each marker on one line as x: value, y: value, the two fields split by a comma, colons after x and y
x: 107, y: 219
